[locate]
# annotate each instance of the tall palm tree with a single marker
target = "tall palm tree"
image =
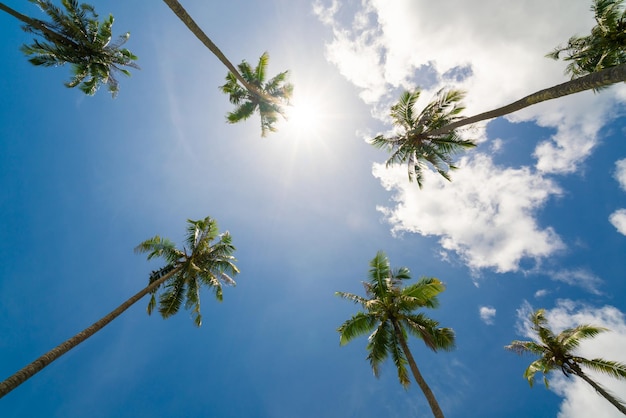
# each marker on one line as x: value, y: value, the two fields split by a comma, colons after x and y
x: 410, y: 146
x: 606, y: 45
x: 268, y: 98
x: 389, y: 313
x: 599, y: 60
x: 593, y: 81
x: 77, y: 37
x: 248, y: 102
x: 556, y: 353
x: 200, y: 262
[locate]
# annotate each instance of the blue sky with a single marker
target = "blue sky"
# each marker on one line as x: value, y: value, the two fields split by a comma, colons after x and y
x: 531, y: 219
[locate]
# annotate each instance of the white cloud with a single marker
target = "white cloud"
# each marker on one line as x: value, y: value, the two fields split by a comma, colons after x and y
x: 541, y: 293
x: 385, y: 46
x: 581, y: 400
x: 487, y: 314
x: 618, y: 220
x: 620, y: 173
x: 578, y: 277
x: 485, y: 215
x: 408, y: 43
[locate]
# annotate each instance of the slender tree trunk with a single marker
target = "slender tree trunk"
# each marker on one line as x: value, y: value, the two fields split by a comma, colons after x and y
x: 36, y: 366
x: 430, y: 397
x: 39, y: 25
x: 182, y: 14
x: 578, y: 372
x: 591, y: 81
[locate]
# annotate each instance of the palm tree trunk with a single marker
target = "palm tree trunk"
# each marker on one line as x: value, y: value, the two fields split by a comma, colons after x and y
x: 40, y: 26
x: 182, y: 14
x: 430, y: 397
x: 578, y: 372
x: 591, y: 81
x: 36, y: 366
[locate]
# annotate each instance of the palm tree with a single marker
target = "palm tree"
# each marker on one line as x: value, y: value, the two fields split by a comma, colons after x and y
x: 267, y: 98
x: 77, y: 37
x: 248, y: 102
x: 410, y: 146
x: 593, y: 81
x: 200, y: 262
x: 556, y: 353
x: 599, y: 60
x: 388, y: 312
x: 606, y: 45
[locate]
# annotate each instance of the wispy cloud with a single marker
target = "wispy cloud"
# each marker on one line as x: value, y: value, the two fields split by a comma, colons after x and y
x: 579, y: 277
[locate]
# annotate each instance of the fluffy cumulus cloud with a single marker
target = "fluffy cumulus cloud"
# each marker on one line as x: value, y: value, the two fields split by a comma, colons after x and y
x: 581, y: 400
x: 485, y: 48
x: 487, y: 314
x: 485, y: 215
x: 618, y: 219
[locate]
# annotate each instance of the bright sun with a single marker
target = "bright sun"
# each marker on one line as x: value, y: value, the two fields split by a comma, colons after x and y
x: 304, y: 117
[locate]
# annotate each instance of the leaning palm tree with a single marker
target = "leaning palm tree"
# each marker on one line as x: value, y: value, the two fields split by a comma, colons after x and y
x: 77, y: 37
x: 606, y: 45
x: 248, y: 102
x: 556, y: 353
x: 410, y: 146
x: 268, y: 98
x: 389, y: 313
x: 599, y: 60
x: 202, y: 262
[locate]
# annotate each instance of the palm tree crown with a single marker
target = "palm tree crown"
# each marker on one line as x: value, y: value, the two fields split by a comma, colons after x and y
x: 389, y: 314
x: 606, y: 45
x: 414, y: 145
x: 77, y: 37
x: 266, y: 96
x: 556, y: 353
x: 200, y: 262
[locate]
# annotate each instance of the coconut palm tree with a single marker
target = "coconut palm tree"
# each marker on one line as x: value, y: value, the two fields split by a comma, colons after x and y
x: 248, y: 102
x: 389, y: 313
x: 556, y: 353
x: 410, y: 146
x: 267, y: 98
x: 598, y: 61
x: 77, y: 37
x: 606, y: 45
x: 201, y: 262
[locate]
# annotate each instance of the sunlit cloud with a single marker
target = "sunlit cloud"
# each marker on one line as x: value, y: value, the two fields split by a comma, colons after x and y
x: 486, y: 215
x: 487, y: 314
x: 388, y: 46
x: 618, y: 220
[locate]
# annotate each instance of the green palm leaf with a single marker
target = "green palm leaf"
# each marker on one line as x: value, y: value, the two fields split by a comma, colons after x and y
x: 413, y: 145
x: 556, y: 353
x: 75, y: 36
x: 206, y: 260
x: 388, y: 313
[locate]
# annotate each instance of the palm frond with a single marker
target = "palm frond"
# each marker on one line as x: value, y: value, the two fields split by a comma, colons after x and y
x: 610, y: 368
x: 359, y: 324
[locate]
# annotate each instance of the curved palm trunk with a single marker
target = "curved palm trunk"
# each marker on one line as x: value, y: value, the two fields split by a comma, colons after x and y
x: 182, y: 14
x: 578, y: 372
x: 36, y: 366
x: 591, y: 81
x: 39, y: 25
x: 430, y: 397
